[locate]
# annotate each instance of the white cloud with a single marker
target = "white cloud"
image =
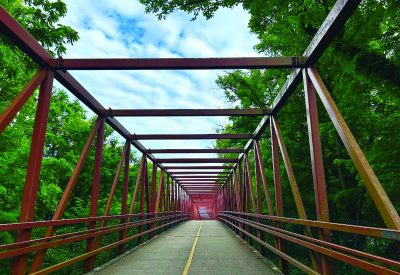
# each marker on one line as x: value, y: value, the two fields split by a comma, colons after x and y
x: 122, y: 29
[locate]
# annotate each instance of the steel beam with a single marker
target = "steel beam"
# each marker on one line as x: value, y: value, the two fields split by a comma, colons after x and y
x: 199, y: 177
x: 278, y: 194
x: 32, y: 177
x: 179, y: 63
x: 184, y: 112
x: 317, y: 164
x: 194, y: 151
x: 201, y: 181
x: 15, y: 106
x: 293, y: 186
x: 196, y: 160
x: 189, y: 173
x: 94, y: 199
x: 189, y: 136
x: 198, y: 167
x: 201, y: 185
x: 124, y: 202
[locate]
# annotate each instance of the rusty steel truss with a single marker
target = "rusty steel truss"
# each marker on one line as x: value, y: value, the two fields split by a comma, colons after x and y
x: 226, y: 183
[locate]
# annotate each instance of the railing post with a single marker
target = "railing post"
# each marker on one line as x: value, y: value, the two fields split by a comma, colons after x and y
x: 91, y: 243
x: 33, y: 171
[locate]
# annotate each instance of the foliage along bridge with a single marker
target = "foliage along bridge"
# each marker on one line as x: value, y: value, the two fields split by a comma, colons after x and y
x: 220, y: 190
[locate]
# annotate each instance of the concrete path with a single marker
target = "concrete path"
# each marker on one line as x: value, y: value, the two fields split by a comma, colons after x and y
x: 217, y: 251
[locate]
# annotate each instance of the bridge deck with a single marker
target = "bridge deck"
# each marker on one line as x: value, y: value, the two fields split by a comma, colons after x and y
x: 217, y: 251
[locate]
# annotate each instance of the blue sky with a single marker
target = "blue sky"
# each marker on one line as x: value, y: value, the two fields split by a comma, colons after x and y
x: 120, y: 28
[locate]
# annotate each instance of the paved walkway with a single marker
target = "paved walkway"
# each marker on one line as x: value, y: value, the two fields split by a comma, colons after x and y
x: 217, y: 251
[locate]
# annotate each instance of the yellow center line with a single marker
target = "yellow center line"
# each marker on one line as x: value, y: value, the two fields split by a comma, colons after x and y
x: 189, y: 261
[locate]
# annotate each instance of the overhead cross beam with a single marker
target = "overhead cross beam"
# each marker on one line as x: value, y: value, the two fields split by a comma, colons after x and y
x: 194, y: 151
x: 199, y: 167
x: 179, y: 63
x: 190, y: 136
x: 200, y: 177
x: 196, y: 160
x: 201, y: 184
x: 188, y: 173
x: 184, y: 112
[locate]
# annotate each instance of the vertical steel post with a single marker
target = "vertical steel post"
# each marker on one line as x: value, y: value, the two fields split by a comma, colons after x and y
x: 153, y: 196
x: 124, y: 233
x: 142, y: 199
x: 32, y: 178
x: 91, y: 243
x: 153, y: 187
x: 250, y: 185
x: 278, y: 194
x: 295, y: 189
x: 321, y: 197
x: 173, y: 195
x: 168, y: 199
x: 259, y: 168
x: 242, y: 194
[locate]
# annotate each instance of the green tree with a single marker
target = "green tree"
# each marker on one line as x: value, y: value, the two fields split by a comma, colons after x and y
x: 40, y: 18
x: 361, y: 68
x: 67, y: 131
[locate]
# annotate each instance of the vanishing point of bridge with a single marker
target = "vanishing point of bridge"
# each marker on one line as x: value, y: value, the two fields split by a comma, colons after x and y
x: 210, y: 208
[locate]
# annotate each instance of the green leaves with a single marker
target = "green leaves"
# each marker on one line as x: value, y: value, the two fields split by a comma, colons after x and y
x: 39, y: 18
x: 195, y: 7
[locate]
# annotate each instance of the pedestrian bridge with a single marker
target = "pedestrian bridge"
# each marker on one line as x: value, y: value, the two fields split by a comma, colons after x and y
x: 198, y: 215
